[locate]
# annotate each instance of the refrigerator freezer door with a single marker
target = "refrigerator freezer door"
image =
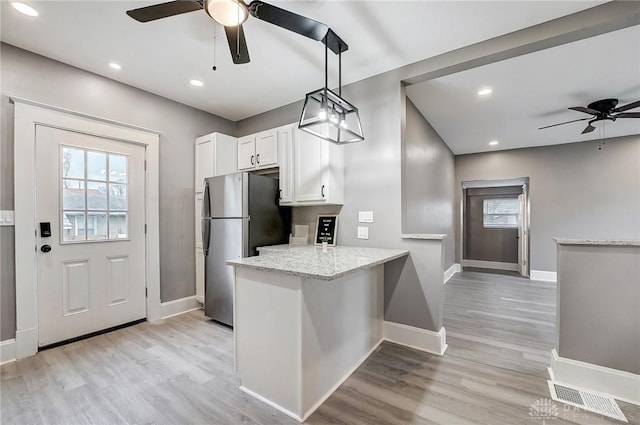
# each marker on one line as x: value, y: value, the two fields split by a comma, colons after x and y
x: 226, y: 243
x: 228, y: 196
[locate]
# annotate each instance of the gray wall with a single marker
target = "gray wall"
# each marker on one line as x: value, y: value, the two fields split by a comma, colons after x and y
x: 428, y: 182
x: 488, y: 244
x: 575, y: 190
x: 599, y: 305
x: 34, y: 77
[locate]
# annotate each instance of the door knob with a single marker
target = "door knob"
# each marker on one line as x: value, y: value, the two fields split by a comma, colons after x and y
x: 45, y: 248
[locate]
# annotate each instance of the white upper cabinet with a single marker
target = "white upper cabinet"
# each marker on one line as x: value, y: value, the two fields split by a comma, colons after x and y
x: 216, y: 154
x: 311, y: 169
x: 258, y: 151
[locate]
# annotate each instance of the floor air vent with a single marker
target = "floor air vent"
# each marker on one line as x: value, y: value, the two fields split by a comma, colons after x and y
x: 593, y: 402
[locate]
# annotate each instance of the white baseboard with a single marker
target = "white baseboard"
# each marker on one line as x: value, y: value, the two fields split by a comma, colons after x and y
x: 412, y: 337
x: 491, y: 265
x: 455, y: 268
x: 7, y: 351
x: 543, y: 275
x: 179, y: 306
x: 624, y: 386
x: 271, y: 403
x: 200, y: 299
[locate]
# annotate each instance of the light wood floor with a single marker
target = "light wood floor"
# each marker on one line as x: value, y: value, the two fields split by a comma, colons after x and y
x: 180, y: 371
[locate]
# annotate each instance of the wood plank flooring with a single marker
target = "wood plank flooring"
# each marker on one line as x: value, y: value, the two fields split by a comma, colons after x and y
x: 180, y: 371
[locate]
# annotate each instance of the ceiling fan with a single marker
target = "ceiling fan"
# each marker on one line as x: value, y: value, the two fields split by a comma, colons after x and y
x: 232, y: 13
x: 602, y: 110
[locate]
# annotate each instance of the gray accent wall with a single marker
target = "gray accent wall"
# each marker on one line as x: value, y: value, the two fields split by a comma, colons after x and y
x: 599, y: 305
x: 30, y: 76
x: 428, y: 182
x: 575, y: 191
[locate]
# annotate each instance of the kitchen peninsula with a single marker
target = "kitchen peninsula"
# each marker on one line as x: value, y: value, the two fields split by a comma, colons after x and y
x: 305, y: 319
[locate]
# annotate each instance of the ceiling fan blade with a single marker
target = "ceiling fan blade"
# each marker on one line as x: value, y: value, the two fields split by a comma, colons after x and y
x: 563, y: 123
x: 585, y: 110
x: 164, y: 10
x: 632, y: 105
x: 288, y: 20
x: 239, y: 50
x: 588, y: 129
x: 627, y: 115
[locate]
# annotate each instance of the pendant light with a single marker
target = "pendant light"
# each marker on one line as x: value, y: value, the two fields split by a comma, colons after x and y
x: 326, y: 114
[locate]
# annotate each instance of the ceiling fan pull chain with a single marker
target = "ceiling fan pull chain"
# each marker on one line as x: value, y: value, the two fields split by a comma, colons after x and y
x: 214, y: 47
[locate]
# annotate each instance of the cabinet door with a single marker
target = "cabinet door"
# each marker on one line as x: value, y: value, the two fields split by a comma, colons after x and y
x: 285, y: 151
x: 204, y: 161
x: 311, y: 167
x: 246, y: 153
x: 226, y: 154
x: 267, y: 149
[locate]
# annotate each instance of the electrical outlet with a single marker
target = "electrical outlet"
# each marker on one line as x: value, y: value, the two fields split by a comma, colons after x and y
x: 365, y: 216
x: 363, y: 232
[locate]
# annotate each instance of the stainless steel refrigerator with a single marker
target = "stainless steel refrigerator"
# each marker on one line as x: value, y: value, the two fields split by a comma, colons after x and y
x: 240, y: 212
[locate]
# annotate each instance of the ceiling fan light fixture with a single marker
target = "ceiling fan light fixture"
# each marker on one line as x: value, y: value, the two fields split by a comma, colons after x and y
x: 228, y: 13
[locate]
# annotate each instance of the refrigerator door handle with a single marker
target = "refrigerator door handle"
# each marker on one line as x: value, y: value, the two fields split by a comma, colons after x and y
x: 205, y: 216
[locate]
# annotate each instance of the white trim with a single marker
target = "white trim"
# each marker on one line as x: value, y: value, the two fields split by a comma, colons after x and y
x: 491, y: 265
x: 544, y: 276
x: 271, y: 403
x: 200, y: 299
x: 623, y: 386
x: 340, y: 382
x: 448, y: 274
x: 179, y: 306
x: 417, y: 338
x: 7, y: 351
x: 28, y: 114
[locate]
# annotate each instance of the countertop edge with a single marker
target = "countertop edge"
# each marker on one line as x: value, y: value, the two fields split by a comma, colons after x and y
x: 597, y: 242
x: 425, y: 236
x: 236, y: 263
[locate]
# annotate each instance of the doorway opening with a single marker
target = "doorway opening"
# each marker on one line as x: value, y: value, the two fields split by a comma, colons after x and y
x: 495, y: 226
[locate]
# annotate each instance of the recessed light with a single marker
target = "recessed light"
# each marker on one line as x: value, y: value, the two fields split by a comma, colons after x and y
x: 24, y: 9
x: 196, y: 83
x: 115, y: 66
x: 493, y: 143
x: 484, y: 92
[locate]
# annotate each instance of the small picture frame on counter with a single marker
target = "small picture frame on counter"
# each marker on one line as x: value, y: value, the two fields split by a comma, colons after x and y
x: 326, y: 229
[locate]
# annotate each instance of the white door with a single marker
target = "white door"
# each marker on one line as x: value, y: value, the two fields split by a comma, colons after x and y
x: 285, y: 151
x: 311, y: 167
x: 91, y: 191
x: 267, y: 149
x: 204, y: 161
x: 246, y: 153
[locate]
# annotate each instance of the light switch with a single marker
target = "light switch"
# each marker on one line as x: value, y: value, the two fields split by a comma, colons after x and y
x: 6, y: 218
x: 365, y: 216
x: 363, y: 232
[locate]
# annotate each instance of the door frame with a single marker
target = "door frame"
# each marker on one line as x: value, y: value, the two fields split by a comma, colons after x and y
x: 524, y: 242
x: 29, y: 114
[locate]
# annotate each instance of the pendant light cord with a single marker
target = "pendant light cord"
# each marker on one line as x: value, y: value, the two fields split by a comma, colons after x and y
x: 214, y: 47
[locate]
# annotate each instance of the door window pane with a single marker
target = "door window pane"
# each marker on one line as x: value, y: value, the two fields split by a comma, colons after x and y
x: 501, y: 213
x: 72, y: 194
x: 73, y: 163
x: 73, y: 226
x: 118, y: 168
x: 96, y: 166
x: 96, y: 196
x: 118, y: 226
x: 118, y: 197
x: 97, y: 225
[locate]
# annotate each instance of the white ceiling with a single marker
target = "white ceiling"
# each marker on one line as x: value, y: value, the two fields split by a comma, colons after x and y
x: 533, y: 91
x: 162, y: 56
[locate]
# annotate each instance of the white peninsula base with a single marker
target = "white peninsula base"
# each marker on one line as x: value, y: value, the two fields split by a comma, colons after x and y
x: 298, y: 338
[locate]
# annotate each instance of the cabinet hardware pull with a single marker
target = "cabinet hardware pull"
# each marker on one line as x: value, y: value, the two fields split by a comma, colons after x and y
x: 322, y: 191
x: 252, y: 160
x: 280, y: 194
x: 258, y: 158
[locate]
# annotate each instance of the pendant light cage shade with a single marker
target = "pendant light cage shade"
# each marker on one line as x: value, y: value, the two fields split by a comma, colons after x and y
x: 330, y: 117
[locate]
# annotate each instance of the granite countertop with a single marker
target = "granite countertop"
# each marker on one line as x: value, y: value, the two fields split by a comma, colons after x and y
x: 599, y: 242
x: 309, y: 261
x: 425, y: 236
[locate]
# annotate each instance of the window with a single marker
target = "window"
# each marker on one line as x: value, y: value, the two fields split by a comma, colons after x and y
x: 501, y: 213
x: 94, y: 195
